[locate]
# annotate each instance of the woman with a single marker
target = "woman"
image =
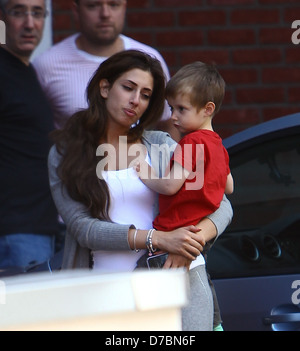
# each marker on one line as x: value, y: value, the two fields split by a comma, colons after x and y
x: 108, y: 217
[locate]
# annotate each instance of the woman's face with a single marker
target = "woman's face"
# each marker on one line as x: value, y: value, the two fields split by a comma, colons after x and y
x: 128, y: 98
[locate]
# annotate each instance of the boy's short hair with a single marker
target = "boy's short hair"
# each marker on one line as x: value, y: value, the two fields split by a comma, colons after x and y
x: 201, y: 82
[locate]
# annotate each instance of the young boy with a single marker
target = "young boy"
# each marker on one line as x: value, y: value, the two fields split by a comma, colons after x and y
x: 199, y: 173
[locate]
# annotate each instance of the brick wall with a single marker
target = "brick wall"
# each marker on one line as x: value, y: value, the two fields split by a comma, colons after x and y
x: 249, y: 40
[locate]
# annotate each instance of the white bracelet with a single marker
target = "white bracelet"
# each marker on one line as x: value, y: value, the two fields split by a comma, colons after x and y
x: 134, y: 241
x: 149, y: 242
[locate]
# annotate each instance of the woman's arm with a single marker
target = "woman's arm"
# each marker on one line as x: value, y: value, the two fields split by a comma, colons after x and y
x: 89, y: 232
x: 210, y: 229
x: 221, y: 218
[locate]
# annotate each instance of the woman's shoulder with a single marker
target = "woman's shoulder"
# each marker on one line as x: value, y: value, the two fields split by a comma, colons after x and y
x: 157, y: 137
x: 54, y: 156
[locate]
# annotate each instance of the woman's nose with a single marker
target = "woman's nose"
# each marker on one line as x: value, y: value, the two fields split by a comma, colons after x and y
x: 135, y: 98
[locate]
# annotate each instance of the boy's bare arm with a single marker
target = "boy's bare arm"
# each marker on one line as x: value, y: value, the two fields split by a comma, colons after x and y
x: 229, y: 185
x: 169, y: 184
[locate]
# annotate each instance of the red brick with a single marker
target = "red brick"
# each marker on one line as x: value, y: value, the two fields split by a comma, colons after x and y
x: 255, y: 16
x: 273, y: 2
x: 281, y: 75
x: 61, y: 5
x: 137, y: 4
x: 275, y: 35
x: 239, y: 76
x: 177, y: 3
x: 279, y: 111
x: 293, y: 54
x: 170, y: 57
x: 294, y: 94
x: 237, y: 116
x: 202, y: 18
x: 231, y: 37
x: 226, y: 131
x: 256, y: 56
x: 292, y: 14
x: 144, y: 37
x: 219, y: 57
x: 231, y: 2
x: 179, y: 38
x: 63, y: 22
x: 150, y: 19
x: 260, y: 95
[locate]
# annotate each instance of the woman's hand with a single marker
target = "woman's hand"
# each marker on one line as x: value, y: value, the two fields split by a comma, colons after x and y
x: 186, y: 242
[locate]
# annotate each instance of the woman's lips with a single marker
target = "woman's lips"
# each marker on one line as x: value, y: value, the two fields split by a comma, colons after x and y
x: 130, y: 112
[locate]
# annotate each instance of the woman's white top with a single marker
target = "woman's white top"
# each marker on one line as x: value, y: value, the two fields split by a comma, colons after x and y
x: 131, y: 201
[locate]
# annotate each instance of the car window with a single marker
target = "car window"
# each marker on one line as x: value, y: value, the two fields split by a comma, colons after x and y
x: 264, y: 236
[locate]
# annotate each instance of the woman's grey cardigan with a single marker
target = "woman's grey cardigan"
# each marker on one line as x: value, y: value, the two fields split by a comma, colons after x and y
x: 85, y: 233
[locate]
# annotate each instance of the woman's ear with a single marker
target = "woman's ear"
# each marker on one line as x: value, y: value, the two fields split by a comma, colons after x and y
x: 210, y: 108
x: 104, y: 88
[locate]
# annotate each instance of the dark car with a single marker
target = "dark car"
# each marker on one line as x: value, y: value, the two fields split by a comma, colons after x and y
x: 255, y: 264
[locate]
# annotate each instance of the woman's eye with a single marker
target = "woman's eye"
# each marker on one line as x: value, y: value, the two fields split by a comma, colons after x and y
x: 126, y: 87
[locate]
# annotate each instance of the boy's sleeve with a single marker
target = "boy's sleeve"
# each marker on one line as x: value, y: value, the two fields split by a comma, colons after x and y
x: 185, y: 154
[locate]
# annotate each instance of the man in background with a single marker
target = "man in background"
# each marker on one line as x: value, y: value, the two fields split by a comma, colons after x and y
x: 28, y: 217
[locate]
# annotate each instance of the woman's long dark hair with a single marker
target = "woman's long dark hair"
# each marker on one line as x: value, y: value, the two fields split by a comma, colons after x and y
x: 78, y: 140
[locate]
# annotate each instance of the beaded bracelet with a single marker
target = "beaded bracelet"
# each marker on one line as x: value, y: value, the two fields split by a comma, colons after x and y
x: 149, y: 242
x: 134, y: 241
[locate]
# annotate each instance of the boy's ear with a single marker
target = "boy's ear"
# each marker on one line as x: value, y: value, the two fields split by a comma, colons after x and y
x: 104, y: 88
x: 210, y: 108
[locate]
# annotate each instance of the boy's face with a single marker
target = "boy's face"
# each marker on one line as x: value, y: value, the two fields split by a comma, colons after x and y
x: 187, y: 118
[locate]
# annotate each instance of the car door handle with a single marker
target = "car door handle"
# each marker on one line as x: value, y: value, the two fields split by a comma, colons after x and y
x: 282, y: 318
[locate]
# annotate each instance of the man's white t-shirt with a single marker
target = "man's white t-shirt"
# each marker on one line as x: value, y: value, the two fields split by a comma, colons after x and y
x: 64, y: 72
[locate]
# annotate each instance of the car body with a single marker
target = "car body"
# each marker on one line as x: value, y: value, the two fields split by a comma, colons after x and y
x: 255, y: 264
